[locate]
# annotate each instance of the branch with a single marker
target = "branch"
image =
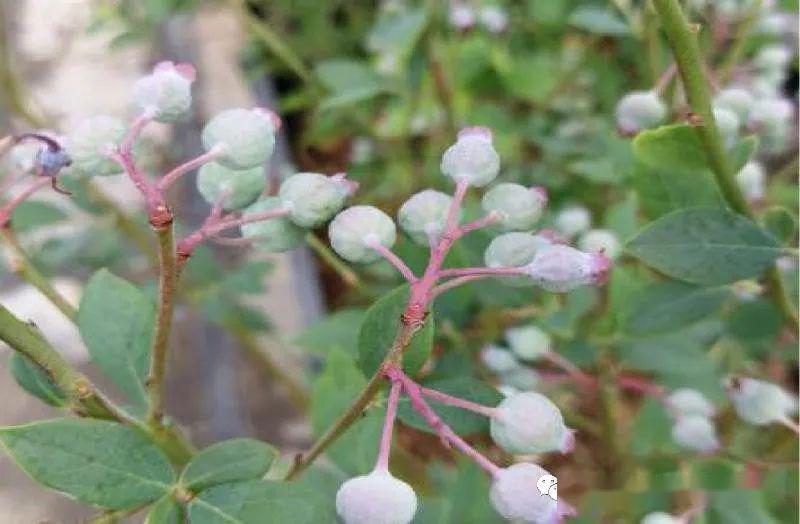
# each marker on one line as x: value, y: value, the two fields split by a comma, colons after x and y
x: 19, y: 262
x: 689, y: 59
x: 173, y: 176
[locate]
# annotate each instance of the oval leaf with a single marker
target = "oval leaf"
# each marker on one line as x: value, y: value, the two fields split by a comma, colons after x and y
x: 379, y: 328
x: 165, y: 511
x: 256, y: 502
x: 461, y: 421
x: 115, y: 320
x: 705, y: 246
x: 35, y: 381
x: 228, y: 461
x: 671, y: 305
x: 100, y: 463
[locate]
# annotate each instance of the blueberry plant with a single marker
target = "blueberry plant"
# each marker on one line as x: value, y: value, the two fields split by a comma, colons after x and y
x: 644, y: 363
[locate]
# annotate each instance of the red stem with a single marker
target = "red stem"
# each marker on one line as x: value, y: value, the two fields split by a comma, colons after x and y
x: 394, y: 260
x: 482, y: 271
x: 188, y: 166
x: 450, y: 400
x: 388, y: 426
x: 214, y: 225
x: 7, y: 210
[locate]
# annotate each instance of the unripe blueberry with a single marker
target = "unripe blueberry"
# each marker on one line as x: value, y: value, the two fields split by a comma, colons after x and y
x: 659, y: 517
x: 494, y: 18
x: 499, y: 360
x: 377, y: 498
x: 461, y: 16
x: 695, y: 432
x: 773, y: 58
x: 515, y: 495
x: 751, y: 180
x: 685, y: 401
x: 424, y: 214
x: 90, y: 142
x: 246, y: 136
x: 166, y: 93
x: 639, y: 110
x: 50, y: 163
x: 514, y: 250
x: 472, y: 158
x: 519, y: 207
x: 772, y: 115
x: 560, y: 268
x: 600, y: 241
x: 572, y: 220
x: 735, y: 99
x: 760, y: 403
x: 356, y: 229
x: 529, y: 423
x: 234, y: 188
x: 521, y: 379
x: 313, y: 198
x: 276, y: 234
x: 728, y: 125
x: 528, y: 342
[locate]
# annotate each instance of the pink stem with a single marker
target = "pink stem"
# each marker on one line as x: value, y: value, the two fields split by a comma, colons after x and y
x: 447, y: 435
x: 214, y: 225
x: 171, y: 177
x: 388, y: 424
x: 640, y: 385
x: 450, y: 284
x: 483, y: 271
x: 9, y: 181
x: 233, y: 242
x: 574, y: 372
x: 484, y: 221
x: 451, y: 223
x: 664, y: 79
x: 7, y: 210
x: 791, y: 424
x: 450, y: 400
x: 394, y: 260
x: 138, y: 124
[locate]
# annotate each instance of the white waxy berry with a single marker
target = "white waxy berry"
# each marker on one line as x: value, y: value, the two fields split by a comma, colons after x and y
x: 559, y: 268
x: 685, y: 401
x: 515, y: 495
x: 600, y: 241
x: 461, y: 16
x: 529, y: 423
x: 773, y: 58
x: 246, y: 137
x: 751, y: 180
x: 235, y: 189
x: 728, y: 125
x: 735, y: 99
x: 695, y: 432
x: 276, y: 234
x: 514, y: 250
x: 423, y: 216
x: 90, y: 142
x: 519, y: 207
x: 494, y: 19
x: 521, y: 379
x: 771, y: 115
x: 761, y: 403
x: 572, y: 220
x: 528, y: 342
x: 659, y: 517
x: 166, y: 93
x: 639, y: 110
x: 377, y: 498
x: 472, y: 158
x: 312, y: 199
x: 355, y: 231
x: 498, y: 359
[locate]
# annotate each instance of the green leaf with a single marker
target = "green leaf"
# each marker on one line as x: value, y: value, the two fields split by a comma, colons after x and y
x: 705, y: 246
x: 349, y: 81
x: 335, y: 389
x: 738, y: 506
x: 599, y: 20
x: 668, y: 306
x: 228, y: 461
x: 165, y: 511
x: 461, y: 421
x: 115, y: 320
x: 337, y: 330
x: 256, y: 502
x: 397, y: 32
x: 378, y: 331
x: 675, y: 147
x: 463, y: 498
x: 755, y: 320
x: 35, y: 381
x: 544, y: 68
x: 97, y: 462
x: 780, y: 223
x: 743, y: 151
x: 650, y: 429
x: 32, y: 214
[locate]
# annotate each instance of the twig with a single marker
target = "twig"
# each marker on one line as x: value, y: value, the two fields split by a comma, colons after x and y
x: 388, y: 425
x: 450, y: 400
x: 188, y: 166
x: 394, y: 260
